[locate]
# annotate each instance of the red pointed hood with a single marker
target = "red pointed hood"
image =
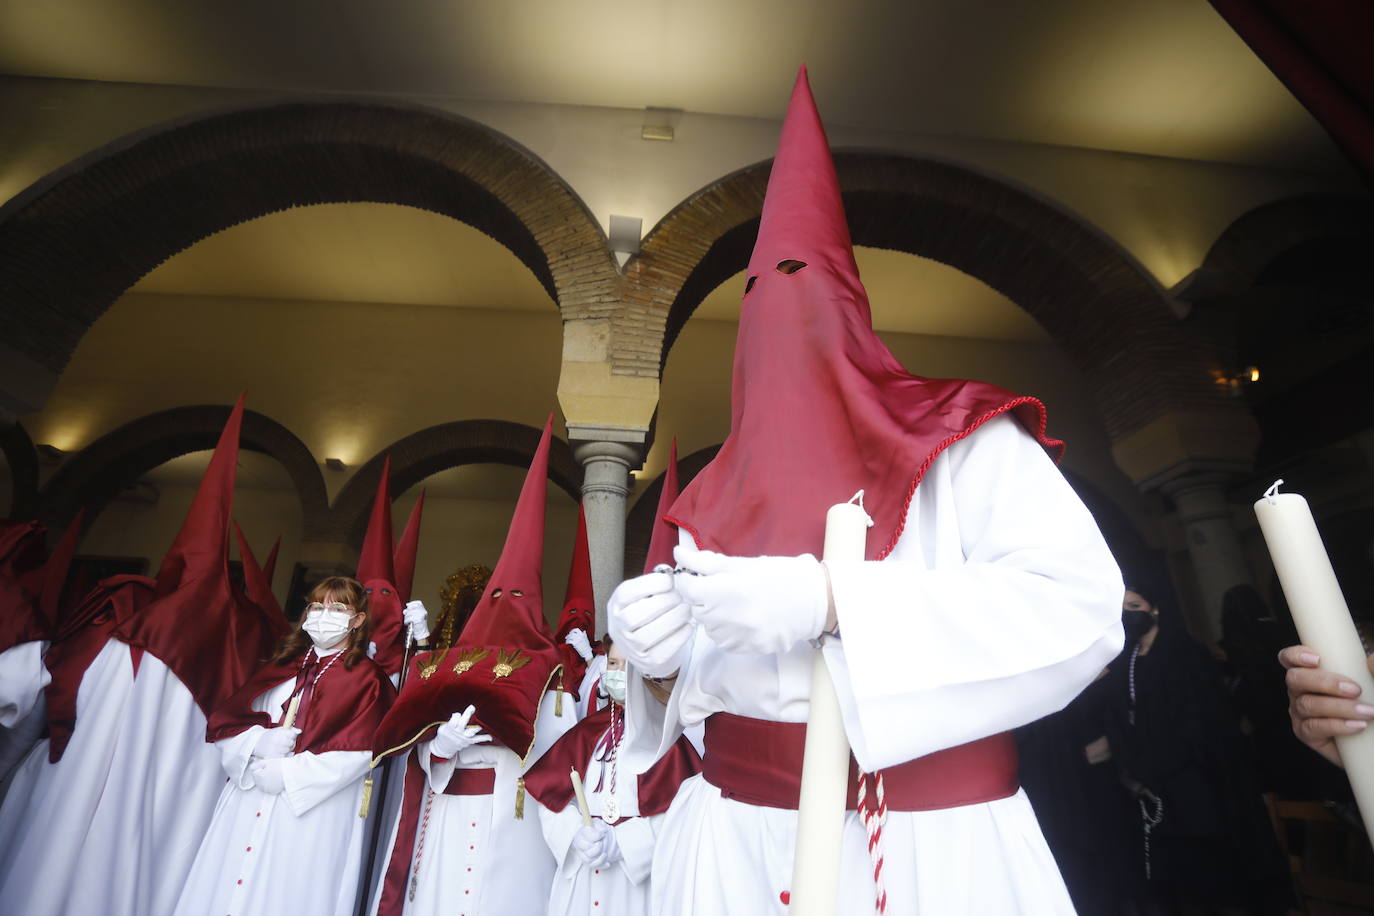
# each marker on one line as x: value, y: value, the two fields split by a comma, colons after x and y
x: 505, y: 658
x: 269, y: 568
x: 57, y: 570
x: 257, y: 587
x: 377, y: 573
x: 819, y: 407
x: 407, y: 549
x: 23, y: 559
x: 664, y: 538
x: 579, y: 605
x: 198, y: 624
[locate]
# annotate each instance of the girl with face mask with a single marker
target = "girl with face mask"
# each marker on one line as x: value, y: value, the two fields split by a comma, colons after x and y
x: 604, y: 867
x: 295, y: 744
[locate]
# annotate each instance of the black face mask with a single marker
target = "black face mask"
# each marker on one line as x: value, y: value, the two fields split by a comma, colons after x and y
x: 1137, y: 624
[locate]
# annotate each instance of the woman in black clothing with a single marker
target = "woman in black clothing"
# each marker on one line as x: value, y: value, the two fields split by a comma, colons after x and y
x: 1204, y: 844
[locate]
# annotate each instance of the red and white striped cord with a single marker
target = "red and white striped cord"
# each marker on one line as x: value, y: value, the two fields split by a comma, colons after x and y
x: 420, y: 844
x: 874, y: 817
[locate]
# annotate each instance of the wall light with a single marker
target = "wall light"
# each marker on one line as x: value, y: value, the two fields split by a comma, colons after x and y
x: 49, y: 454
x: 660, y: 124
x: 1237, y: 382
x: 335, y: 464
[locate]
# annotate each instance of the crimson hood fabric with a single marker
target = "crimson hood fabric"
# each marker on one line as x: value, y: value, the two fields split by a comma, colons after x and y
x: 505, y: 658
x: 579, y: 608
x: 820, y: 409
x: 407, y: 549
x: 257, y: 584
x: 548, y: 779
x: 664, y: 538
x: 31, y: 581
x: 198, y: 624
x: 377, y: 573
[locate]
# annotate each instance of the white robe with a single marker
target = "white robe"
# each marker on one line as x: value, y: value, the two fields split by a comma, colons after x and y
x: 621, y: 888
x: 478, y: 859
x: 113, y: 827
x: 296, y: 853
x: 590, y: 702
x: 22, y: 709
x: 998, y: 605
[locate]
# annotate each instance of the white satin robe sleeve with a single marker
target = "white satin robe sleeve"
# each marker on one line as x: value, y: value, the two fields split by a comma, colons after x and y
x: 559, y: 828
x: 313, y: 778
x: 635, y: 836
x: 999, y: 605
x: 22, y: 679
x: 236, y: 754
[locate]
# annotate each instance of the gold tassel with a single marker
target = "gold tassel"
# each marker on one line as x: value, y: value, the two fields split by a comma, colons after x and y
x: 367, y: 796
x: 520, y: 799
x: 558, y: 697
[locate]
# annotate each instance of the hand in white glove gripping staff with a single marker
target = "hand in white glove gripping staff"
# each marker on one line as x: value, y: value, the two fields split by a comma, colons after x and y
x: 650, y: 623
x: 454, y: 735
x: 276, y: 742
x: 267, y: 776
x: 577, y: 638
x: 754, y: 605
x: 596, y: 845
x: 417, y: 619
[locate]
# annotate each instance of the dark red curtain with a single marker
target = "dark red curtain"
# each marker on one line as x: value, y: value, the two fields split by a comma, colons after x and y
x: 1323, y: 51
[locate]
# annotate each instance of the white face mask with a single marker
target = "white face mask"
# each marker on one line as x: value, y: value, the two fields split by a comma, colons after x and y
x: 614, y: 682
x: 326, y: 628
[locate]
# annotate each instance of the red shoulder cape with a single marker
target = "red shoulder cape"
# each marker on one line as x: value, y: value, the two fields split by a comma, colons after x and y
x: 548, y: 779
x: 344, y: 712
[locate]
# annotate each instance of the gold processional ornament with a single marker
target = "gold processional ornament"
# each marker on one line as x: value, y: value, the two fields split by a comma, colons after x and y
x: 461, y: 591
x: 507, y: 663
x: 469, y: 657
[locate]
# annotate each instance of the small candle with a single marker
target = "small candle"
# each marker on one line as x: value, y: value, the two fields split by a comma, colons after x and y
x: 289, y: 719
x: 581, y: 798
x: 1323, y: 621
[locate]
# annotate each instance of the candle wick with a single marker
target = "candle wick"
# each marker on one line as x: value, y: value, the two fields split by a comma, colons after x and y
x: 858, y: 500
x: 1273, y: 491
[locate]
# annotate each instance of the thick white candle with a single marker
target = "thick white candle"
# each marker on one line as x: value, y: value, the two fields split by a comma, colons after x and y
x: 581, y: 797
x: 825, y: 766
x: 1323, y: 621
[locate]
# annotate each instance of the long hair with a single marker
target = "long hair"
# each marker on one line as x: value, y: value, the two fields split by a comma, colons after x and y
x: 342, y: 590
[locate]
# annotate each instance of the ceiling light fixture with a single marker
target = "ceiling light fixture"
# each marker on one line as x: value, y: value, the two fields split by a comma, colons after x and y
x: 660, y: 124
x: 335, y: 464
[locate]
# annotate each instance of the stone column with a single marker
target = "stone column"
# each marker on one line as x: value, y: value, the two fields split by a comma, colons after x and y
x: 605, y: 490
x: 1213, y: 544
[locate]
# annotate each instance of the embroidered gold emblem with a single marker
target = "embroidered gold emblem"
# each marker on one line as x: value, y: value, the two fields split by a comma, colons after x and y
x: 469, y: 657
x: 432, y: 665
x: 507, y: 663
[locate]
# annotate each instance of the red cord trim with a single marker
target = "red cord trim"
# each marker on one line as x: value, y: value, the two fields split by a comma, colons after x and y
x: 1055, y: 446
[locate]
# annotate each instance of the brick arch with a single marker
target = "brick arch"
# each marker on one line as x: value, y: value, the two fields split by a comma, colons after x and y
x: 22, y: 459
x: 96, y: 474
x: 73, y: 242
x: 1109, y: 315
x: 438, y: 448
x: 1255, y: 238
x: 639, y: 523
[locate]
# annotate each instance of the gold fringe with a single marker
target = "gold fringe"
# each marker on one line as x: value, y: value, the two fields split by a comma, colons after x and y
x: 367, y: 796
x: 558, y: 697
x: 520, y: 799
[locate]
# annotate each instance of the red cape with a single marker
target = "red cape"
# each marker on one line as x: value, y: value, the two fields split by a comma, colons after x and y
x: 548, y: 779
x: 83, y: 635
x: 343, y: 713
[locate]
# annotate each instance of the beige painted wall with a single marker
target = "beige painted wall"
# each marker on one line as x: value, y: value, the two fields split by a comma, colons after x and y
x: 1165, y: 212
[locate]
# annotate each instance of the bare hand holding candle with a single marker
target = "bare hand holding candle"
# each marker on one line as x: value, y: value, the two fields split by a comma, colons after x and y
x: 1323, y: 620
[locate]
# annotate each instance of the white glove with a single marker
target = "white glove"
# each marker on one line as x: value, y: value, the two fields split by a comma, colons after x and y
x: 756, y: 605
x: 596, y: 845
x: 267, y: 776
x: 417, y: 618
x: 577, y: 638
x: 453, y: 736
x: 650, y: 622
x: 276, y: 742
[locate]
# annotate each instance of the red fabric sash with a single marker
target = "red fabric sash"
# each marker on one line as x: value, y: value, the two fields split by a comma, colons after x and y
x: 342, y: 714
x: 759, y: 762
x: 548, y: 780
x: 463, y: 782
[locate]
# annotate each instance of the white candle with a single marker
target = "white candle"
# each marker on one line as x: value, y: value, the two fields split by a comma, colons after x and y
x: 1323, y: 621
x: 289, y: 719
x: 825, y: 766
x: 581, y: 797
